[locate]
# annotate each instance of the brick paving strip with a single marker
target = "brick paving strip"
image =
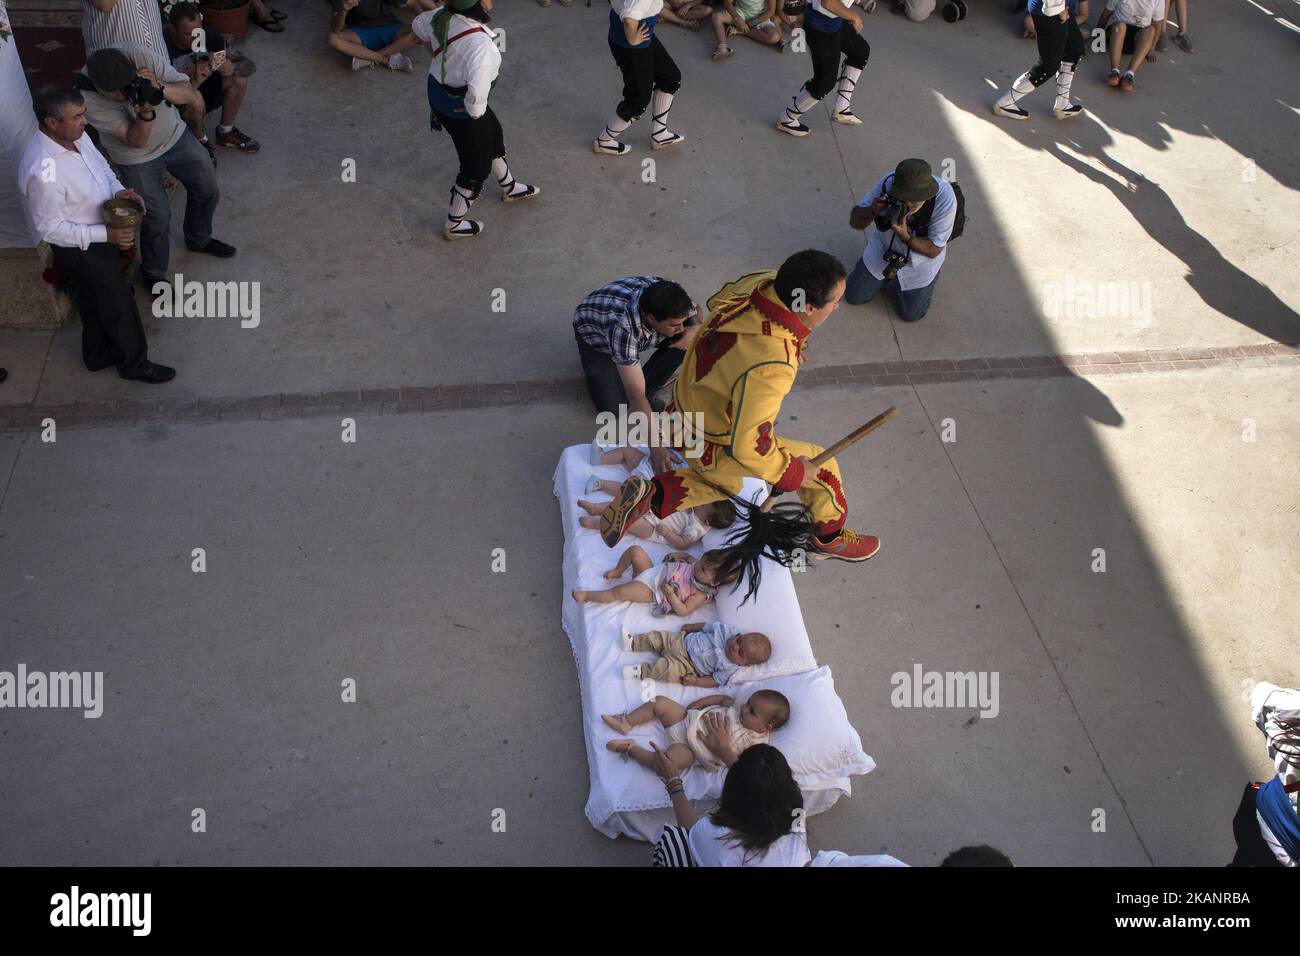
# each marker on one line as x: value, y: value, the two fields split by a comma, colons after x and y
x: 442, y: 398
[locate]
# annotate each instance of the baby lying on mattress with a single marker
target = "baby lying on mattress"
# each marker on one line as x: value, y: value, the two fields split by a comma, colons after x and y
x: 690, y: 727
x: 681, y: 529
x: 681, y: 585
x: 699, y: 655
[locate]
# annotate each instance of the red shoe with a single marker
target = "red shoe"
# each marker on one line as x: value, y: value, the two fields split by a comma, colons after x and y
x: 849, y: 546
x: 631, y: 502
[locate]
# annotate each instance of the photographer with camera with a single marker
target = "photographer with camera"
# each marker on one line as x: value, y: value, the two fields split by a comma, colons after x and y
x: 143, y: 132
x: 910, y: 216
x: 219, y: 73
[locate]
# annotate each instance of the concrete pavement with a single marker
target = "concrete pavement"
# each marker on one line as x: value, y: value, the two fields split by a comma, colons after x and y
x: 1120, y: 691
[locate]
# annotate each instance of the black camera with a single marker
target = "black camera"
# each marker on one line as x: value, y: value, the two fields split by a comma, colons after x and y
x: 893, y: 262
x: 140, y: 92
x: 891, y: 215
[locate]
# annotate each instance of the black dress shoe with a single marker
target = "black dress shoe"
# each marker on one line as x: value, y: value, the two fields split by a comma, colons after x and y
x: 149, y: 282
x: 215, y: 247
x: 150, y: 372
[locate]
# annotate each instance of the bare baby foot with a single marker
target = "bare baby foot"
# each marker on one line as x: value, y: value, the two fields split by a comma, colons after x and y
x: 617, y: 722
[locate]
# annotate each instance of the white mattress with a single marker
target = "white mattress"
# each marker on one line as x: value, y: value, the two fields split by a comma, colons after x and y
x: 823, y: 749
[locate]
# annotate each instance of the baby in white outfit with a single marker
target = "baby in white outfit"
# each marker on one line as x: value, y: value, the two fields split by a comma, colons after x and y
x: 749, y: 723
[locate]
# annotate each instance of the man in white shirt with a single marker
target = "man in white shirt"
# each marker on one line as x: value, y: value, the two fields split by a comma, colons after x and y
x: 147, y: 139
x: 66, y: 182
x: 464, y: 66
x: 832, y: 29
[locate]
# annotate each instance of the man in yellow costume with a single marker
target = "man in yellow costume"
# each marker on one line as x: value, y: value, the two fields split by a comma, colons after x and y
x: 734, y: 377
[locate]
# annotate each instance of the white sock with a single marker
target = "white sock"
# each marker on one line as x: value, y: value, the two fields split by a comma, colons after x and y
x: 799, y: 104
x: 1064, y: 80
x: 461, y: 200
x: 225, y: 129
x: 1022, y: 87
x: 844, y: 92
x: 613, y: 127
x: 659, y: 108
x: 501, y: 170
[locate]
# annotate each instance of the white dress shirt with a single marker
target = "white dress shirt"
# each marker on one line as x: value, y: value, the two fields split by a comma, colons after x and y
x: 472, y: 61
x: 65, y: 190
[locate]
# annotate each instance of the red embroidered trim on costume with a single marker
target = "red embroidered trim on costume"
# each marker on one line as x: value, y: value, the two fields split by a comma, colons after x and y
x: 673, y: 489
x: 706, y: 459
x: 764, y: 443
x: 793, y: 476
x: 826, y: 528
x: 826, y: 477
x: 710, y: 347
x: 779, y: 314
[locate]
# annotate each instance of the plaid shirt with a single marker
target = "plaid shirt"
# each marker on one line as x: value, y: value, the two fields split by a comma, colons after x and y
x: 609, y: 320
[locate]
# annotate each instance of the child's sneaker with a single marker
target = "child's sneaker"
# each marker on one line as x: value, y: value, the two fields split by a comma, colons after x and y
x: 597, y: 456
x: 1113, y: 78
x: 632, y: 672
x: 593, y: 485
x: 400, y: 62
x: 626, y: 636
x: 1184, y: 42
x: 1126, y: 83
x: 359, y: 64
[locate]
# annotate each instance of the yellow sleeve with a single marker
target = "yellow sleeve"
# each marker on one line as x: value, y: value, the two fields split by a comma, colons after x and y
x: 756, y: 401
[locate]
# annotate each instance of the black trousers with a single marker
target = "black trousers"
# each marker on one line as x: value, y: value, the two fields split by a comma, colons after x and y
x: 605, y: 385
x: 111, y: 330
x: 825, y: 49
x: 478, y: 141
x: 1058, y: 42
x: 644, y: 71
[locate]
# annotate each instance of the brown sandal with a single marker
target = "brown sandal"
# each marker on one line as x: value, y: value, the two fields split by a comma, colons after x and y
x: 270, y: 24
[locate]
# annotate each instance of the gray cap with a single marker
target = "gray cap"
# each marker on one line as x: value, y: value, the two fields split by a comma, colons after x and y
x: 109, y: 70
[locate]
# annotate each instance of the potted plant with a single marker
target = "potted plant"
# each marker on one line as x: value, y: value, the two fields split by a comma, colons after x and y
x: 226, y: 16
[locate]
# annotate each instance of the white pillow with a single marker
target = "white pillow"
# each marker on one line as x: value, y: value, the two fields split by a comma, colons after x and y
x: 818, y: 741
x: 774, y: 611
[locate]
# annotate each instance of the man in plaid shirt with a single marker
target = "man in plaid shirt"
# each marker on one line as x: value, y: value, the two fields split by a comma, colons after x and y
x: 614, y: 324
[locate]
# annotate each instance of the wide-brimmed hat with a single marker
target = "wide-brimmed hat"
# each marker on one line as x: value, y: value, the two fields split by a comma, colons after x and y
x: 109, y: 70
x: 913, y: 181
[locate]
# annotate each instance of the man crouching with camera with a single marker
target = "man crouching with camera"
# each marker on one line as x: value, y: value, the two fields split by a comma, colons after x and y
x: 909, y: 216
x: 132, y: 95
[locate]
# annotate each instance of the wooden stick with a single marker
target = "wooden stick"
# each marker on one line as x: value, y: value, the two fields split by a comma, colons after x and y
x: 839, y: 446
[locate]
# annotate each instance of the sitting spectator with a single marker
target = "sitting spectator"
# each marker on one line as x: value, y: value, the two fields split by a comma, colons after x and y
x: 146, y: 139
x: 218, y: 73
x: 747, y: 18
x: 1130, y: 28
x: 267, y: 18
x: 685, y: 13
x: 368, y: 31
x: 914, y: 10
x: 1181, y: 38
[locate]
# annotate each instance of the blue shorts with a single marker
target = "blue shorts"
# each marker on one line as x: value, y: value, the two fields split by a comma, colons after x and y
x: 376, y: 38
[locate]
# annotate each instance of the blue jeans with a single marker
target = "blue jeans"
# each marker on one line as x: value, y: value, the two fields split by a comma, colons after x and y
x: 912, y: 303
x: 189, y: 162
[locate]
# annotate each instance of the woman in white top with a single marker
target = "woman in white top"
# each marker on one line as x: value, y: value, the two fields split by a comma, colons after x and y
x: 759, y: 817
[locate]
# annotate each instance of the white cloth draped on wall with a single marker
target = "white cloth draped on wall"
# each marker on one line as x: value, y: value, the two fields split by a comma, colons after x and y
x: 17, y: 124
